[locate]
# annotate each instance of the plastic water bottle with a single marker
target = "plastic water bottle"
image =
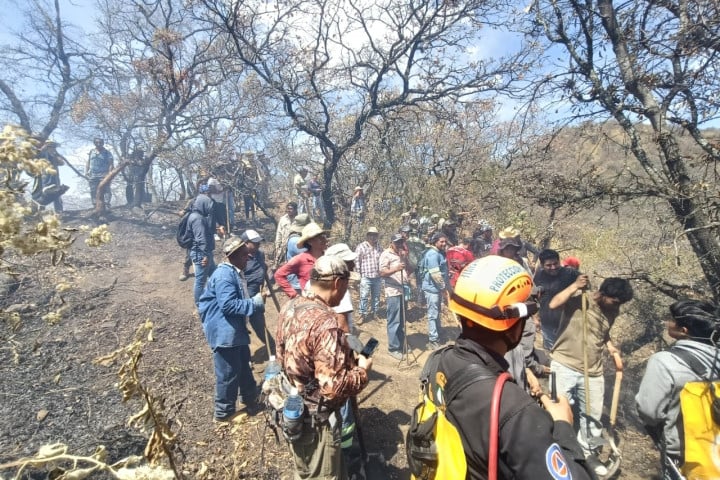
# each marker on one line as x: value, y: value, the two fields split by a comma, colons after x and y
x: 293, y: 415
x: 272, y: 370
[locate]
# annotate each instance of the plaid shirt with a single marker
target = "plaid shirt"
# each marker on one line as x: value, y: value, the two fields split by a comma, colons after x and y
x: 368, y: 261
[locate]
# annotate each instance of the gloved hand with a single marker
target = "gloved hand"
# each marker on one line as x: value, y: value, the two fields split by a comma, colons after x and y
x: 258, y: 301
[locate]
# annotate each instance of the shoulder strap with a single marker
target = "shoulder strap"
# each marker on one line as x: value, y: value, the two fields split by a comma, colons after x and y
x: 495, y: 425
x: 473, y: 373
x: 691, y: 360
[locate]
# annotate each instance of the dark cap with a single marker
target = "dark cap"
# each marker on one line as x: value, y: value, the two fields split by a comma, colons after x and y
x: 514, y: 241
x: 397, y: 238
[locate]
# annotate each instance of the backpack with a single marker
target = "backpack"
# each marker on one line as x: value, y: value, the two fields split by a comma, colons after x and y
x: 700, y: 407
x: 184, y: 235
x: 433, y: 444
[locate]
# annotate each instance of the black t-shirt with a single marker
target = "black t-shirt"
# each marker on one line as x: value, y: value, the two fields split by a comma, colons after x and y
x: 552, y: 285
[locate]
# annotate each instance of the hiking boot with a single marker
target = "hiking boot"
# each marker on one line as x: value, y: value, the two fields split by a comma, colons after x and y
x: 236, y: 417
x: 184, y: 276
x: 431, y: 345
x: 596, y: 465
x: 396, y: 355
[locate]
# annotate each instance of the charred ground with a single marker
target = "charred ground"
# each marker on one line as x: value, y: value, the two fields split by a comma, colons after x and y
x: 53, y: 392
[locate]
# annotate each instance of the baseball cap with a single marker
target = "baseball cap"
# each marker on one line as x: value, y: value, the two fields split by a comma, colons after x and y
x: 251, y: 236
x: 514, y: 241
x: 328, y: 267
x: 397, y: 238
x: 405, y: 228
x: 342, y: 251
x: 232, y: 244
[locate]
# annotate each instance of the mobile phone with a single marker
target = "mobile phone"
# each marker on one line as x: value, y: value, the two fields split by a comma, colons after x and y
x: 553, y: 388
x: 369, y: 348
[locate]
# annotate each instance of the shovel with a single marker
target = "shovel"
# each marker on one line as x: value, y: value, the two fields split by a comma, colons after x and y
x: 615, y: 457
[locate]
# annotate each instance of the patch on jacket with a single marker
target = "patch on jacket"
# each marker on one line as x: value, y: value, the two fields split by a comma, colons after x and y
x: 556, y: 464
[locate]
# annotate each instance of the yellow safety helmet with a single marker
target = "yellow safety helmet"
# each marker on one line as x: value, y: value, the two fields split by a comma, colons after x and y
x: 493, y: 291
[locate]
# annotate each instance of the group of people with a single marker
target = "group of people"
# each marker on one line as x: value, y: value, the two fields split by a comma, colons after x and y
x: 499, y: 301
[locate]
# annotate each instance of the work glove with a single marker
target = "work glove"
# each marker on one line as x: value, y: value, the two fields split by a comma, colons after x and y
x: 258, y: 301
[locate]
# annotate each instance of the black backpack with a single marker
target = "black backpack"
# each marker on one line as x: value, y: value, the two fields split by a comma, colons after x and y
x: 184, y: 235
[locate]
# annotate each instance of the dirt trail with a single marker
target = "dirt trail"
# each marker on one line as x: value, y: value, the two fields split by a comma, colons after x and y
x: 118, y: 287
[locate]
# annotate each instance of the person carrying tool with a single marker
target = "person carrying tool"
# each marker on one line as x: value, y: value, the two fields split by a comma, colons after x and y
x: 695, y: 325
x: 395, y: 269
x: 224, y: 308
x: 578, y: 364
x: 255, y: 272
x: 317, y: 360
x: 491, y: 302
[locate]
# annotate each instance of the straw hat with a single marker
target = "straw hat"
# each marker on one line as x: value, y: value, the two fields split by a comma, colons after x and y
x: 509, y: 232
x: 311, y: 230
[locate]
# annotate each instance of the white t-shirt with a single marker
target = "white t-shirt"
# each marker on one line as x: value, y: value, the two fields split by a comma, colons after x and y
x: 345, y: 306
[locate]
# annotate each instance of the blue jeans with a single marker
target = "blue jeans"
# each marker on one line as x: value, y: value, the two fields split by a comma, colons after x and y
x: 370, y: 287
x: 433, y: 312
x: 395, y: 332
x: 232, y: 374
x: 201, y: 273
x: 571, y: 383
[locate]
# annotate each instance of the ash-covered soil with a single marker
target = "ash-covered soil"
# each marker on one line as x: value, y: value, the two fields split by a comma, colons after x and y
x: 51, y: 391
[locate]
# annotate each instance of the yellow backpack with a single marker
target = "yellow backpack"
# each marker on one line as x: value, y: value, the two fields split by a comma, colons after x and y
x: 700, y: 408
x: 433, y: 444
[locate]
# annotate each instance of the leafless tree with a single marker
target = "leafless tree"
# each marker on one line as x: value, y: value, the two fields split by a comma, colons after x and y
x: 154, y: 64
x: 41, y: 71
x: 648, y: 62
x: 336, y: 64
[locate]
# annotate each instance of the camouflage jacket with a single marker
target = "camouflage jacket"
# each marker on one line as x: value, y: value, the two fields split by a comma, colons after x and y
x: 313, y: 351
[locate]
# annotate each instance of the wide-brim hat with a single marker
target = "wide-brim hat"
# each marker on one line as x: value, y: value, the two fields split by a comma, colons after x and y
x: 342, y: 251
x: 509, y: 232
x: 300, y: 222
x: 232, y: 244
x: 357, y: 188
x: 373, y: 231
x: 311, y: 230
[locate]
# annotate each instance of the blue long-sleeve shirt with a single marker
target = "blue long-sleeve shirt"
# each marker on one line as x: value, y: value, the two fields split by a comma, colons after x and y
x: 223, y: 307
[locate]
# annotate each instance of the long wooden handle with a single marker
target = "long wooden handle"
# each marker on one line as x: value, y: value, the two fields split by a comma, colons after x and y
x: 615, y: 397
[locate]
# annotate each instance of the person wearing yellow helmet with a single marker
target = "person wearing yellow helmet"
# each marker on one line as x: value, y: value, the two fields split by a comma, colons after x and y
x: 492, y: 301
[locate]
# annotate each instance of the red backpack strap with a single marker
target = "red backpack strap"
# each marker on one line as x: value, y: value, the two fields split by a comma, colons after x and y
x: 495, y: 424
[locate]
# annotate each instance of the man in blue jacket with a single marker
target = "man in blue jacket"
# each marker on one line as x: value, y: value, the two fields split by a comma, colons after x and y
x: 201, y: 223
x: 224, y: 309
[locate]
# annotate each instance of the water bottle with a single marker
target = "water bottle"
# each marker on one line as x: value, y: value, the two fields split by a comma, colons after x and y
x: 293, y: 415
x: 272, y: 370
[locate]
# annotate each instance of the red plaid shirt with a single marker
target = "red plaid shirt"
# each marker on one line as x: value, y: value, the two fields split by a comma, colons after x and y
x: 368, y: 261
